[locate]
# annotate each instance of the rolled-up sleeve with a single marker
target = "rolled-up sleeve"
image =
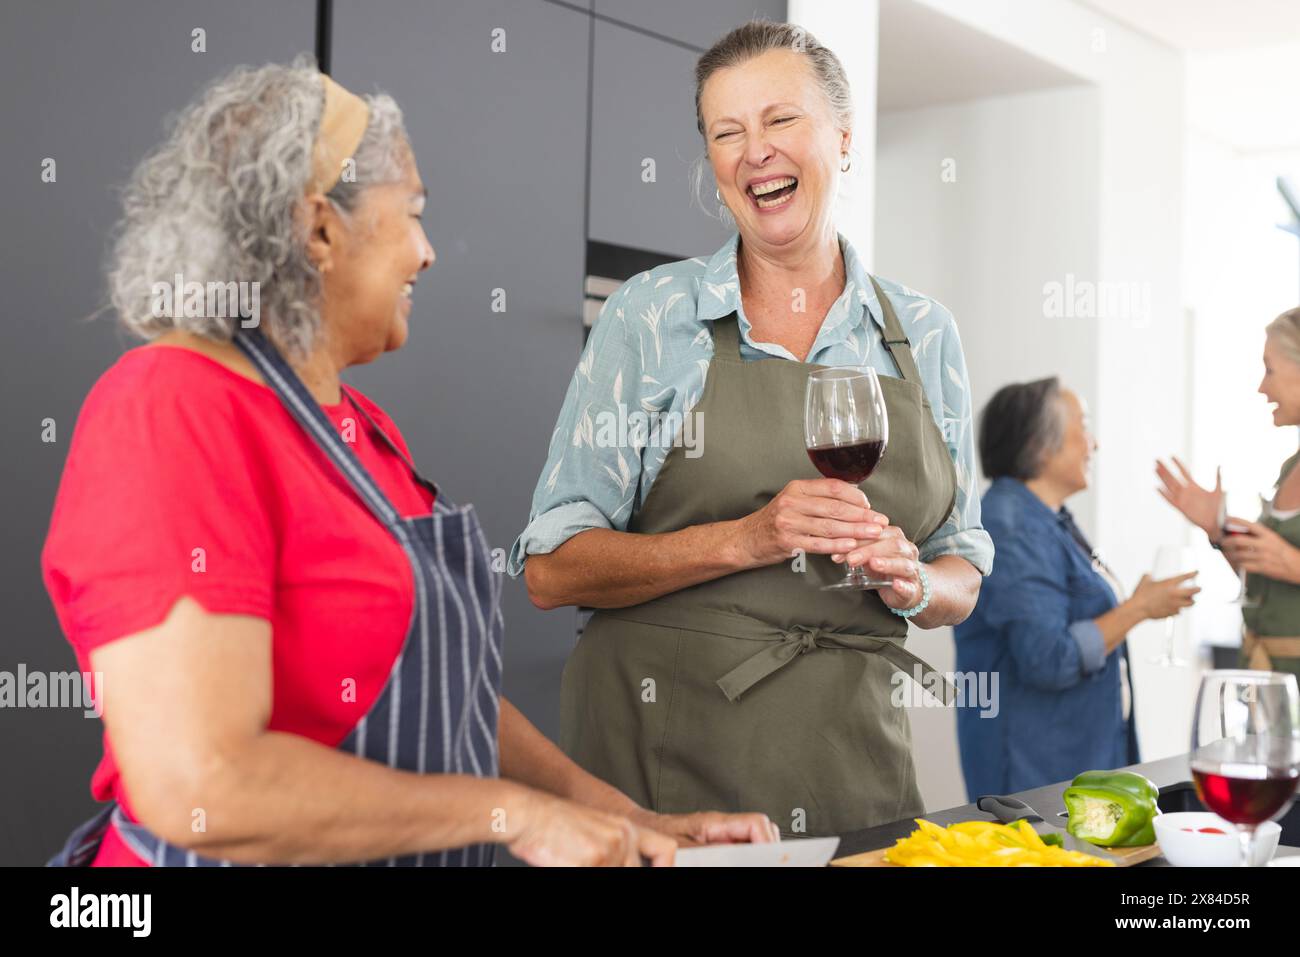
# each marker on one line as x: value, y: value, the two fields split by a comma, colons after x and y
x: 1027, y: 599
x: 1092, y: 647
x: 961, y: 534
x: 587, y: 483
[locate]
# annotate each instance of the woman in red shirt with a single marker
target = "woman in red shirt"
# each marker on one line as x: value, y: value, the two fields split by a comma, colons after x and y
x: 299, y: 636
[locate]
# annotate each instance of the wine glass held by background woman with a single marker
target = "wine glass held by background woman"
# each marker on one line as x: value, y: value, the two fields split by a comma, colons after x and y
x: 1050, y: 622
x: 299, y: 638
x: 703, y: 545
x: 1267, y: 551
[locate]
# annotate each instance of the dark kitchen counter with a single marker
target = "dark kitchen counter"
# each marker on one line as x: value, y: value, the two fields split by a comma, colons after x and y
x: 1171, y: 775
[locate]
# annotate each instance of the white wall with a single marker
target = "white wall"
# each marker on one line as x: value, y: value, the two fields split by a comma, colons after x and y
x: 1022, y: 209
x: 1087, y: 182
x: 1241, y: 271
x: 1139, y: 83
x: 1246, y: 98
x: 850, y: 30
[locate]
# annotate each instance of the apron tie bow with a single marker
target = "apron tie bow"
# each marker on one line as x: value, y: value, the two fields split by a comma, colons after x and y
x: 804, y: 638
x: 789, y: 644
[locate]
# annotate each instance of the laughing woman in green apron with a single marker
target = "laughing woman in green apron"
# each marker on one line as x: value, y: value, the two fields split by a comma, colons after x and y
x: 715, y: 672
x: 1269, y: 550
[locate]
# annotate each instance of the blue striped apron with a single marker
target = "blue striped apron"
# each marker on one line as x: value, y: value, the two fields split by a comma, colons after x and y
x: 438, y: 711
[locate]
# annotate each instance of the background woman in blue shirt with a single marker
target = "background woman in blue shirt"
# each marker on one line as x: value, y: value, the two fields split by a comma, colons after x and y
x: 1048, y: 620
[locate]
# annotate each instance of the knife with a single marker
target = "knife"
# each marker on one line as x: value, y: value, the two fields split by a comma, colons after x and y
x: 1008, y: 810
x: 800, y: 852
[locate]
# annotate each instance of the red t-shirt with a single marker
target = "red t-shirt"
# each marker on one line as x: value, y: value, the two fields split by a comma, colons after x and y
x: 175, y: 453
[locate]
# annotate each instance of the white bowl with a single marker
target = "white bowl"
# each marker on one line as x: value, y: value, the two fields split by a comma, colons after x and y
x: 1194, y: 849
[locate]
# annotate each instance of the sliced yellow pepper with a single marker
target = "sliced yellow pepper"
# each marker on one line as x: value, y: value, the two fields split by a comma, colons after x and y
x: 983, y: 844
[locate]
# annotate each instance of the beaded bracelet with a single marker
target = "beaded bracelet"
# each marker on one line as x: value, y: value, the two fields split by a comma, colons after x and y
x: 925, y: 596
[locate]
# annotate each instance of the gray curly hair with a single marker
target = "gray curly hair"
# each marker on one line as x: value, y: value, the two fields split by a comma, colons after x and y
x: 218, y: 202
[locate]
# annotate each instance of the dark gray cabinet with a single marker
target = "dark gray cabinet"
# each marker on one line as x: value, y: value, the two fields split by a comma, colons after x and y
x: 691, y: 21
x: 643, y: 111
x: 502, y: 142
x: 500, y: 138
x: 89, y: 85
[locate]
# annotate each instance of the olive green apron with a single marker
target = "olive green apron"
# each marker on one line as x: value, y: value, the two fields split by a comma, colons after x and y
x: 756, y: 691
x: 1271, y: 640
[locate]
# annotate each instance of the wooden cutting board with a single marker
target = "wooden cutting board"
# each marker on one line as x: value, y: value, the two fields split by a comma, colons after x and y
x: 1123, y: 857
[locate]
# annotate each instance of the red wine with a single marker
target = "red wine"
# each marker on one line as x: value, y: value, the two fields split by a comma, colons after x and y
x: 1244, y: 800
x: 850, y: 463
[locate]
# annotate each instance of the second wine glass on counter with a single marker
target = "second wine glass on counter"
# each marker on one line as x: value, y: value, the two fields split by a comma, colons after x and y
x: 846, y: 430
x: 1245, y: 757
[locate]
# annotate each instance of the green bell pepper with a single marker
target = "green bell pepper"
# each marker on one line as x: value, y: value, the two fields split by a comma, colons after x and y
x: 1112, y: 808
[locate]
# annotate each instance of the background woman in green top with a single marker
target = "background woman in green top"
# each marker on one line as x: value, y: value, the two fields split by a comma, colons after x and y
x: 1269, y: 551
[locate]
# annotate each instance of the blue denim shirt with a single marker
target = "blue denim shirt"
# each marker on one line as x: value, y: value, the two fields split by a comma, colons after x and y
x: 1060, y: 704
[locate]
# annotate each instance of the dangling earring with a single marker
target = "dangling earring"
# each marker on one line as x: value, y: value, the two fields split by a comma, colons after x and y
x: 847, y: 164
x: 718, y: 194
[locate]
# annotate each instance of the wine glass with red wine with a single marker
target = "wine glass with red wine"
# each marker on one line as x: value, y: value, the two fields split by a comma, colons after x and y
x: 846, y: 429
x: 1230, y: 526
x: 1246, y: 747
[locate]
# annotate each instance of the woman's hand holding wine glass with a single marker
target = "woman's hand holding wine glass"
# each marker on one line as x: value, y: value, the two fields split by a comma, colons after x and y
x: 1159, y: 598
x: 1258, y: 550
x: 893, y: 555
x: 846, y: 433
x: 815, y: 516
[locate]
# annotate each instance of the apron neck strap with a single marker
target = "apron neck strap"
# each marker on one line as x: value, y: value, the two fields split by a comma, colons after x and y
x: 726, y: 339
x: 726, y: 336
x: 393, y: 447
x: 896, y: 340
x: 308, y: 413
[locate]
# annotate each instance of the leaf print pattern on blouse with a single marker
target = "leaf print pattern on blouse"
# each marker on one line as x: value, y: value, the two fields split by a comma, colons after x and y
x: 650, y: 351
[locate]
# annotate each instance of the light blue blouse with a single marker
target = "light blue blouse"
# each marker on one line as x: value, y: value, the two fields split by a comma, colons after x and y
x: 649, y: 352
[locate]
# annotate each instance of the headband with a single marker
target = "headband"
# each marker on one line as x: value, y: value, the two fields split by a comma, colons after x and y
x: 342, y: 124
